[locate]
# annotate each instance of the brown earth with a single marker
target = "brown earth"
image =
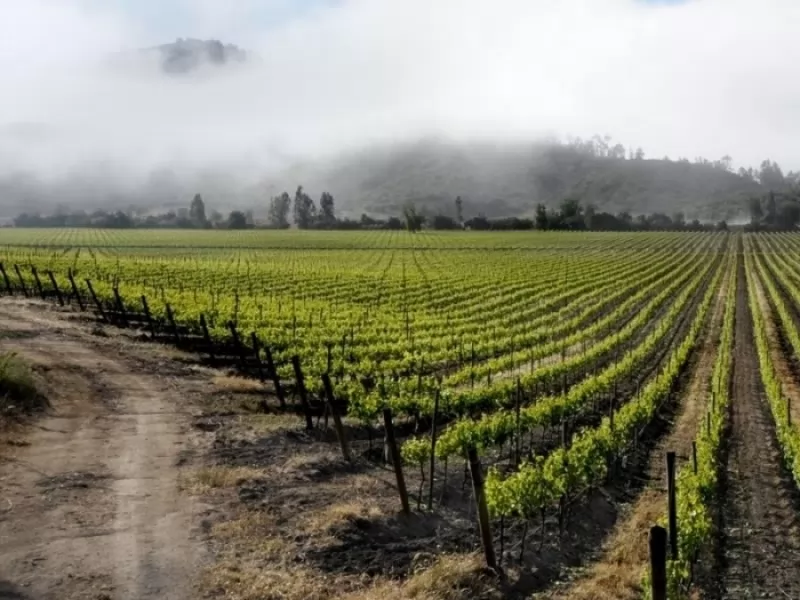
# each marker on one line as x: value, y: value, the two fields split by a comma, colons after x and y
x: 760, y: 536
x: 90, y: 505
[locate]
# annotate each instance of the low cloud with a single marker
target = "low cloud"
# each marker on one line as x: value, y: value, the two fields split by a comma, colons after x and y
x: 702, y: 77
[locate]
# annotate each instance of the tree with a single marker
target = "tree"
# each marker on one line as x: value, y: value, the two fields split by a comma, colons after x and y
x: 197, y: 212
x: 413, y: 219
x: 771, y: 175
x: 588, y: 216
x: 444, y: 222
x: 279, y: 208
x: 216, y: 217
x: 304, y: 210
x: 788, y: 214
x: 625, y: 219
x: 756, y: 212
x: 237, y: 220
x: 327, y: 212
x: 572, y: 214
x: 541, y: 217
x: 772, y: 209
x: 459, y: 209
x: 639, y: 154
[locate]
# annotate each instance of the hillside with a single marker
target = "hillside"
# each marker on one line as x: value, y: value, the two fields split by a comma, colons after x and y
x: 509, y: 179
x: 496, y: 180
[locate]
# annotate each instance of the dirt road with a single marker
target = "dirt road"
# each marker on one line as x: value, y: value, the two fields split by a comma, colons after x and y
x: 90, y: 505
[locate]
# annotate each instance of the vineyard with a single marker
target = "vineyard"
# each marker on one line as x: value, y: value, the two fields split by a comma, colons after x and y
x: 557, y: 400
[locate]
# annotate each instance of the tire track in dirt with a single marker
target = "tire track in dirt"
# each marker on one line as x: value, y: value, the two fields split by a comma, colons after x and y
x: 90, y: 506
x: 618, y: 572
x: 760, y: 537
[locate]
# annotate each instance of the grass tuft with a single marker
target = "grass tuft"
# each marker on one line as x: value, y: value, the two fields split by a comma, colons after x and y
x: 18, y: 393
x: 205, y: 479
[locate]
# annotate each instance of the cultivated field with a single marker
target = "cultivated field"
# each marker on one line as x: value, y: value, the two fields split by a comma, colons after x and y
x: 535, y: 379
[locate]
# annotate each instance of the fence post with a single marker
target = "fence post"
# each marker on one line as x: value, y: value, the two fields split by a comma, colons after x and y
x: 96, y: 300
x: 75, y: 291
x: 694, y: 456
x: 54, y: 283
x: 433, y: 444
x: 483, y: 511
x: 672, y: 505
x: 397, y: 461
x: 6, y: 279
x: 21, y: 281
x: 301, y: 388
x: 38, y: 282
x: 207, y: 336
x: 658, y: 562
x: 121, y: 307
x: 149, y: 317
x: 276, y: 378
x: 337, y: 421
x: 171, y: 318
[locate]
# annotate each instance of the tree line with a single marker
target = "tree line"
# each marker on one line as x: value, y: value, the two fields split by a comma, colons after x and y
x: 283, y: 211
x: 571, y: 215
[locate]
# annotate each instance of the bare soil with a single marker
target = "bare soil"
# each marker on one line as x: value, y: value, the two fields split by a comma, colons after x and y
x: 90, y: 505
x: 760, y: 536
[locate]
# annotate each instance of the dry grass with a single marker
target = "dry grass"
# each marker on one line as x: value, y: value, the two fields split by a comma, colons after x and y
x: 237, y: 385
x: 619, y: 574
x: 257, y: 563
x: 206, y: 479
x: 451, y: 577
x: 336, y: 514
x: 261, y: 423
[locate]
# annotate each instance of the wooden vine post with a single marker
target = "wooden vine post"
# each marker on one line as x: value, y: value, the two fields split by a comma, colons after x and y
x: 658, y: 563
x: 121, y: 307
x: 149, y: 317
x: 7, y: 281
x: 301, y: 390
x: 96, y: 300
x: 433, y: 444
x: 21, y: 281
x: 38, y: 281
x: 276, y: 378
x: 54, y: 283
x: 483, y: 510
x: 337, y: 420
x: 397, y: 460
x: 672, y: 505
x: 257, y: 355
x: 75, y: 291
x: 518, y: 425
x: 207, y: 337
x: 171, y: 318
x: 238, y: 345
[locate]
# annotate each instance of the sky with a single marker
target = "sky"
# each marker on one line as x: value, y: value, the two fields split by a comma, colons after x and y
x: 689, y: 78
